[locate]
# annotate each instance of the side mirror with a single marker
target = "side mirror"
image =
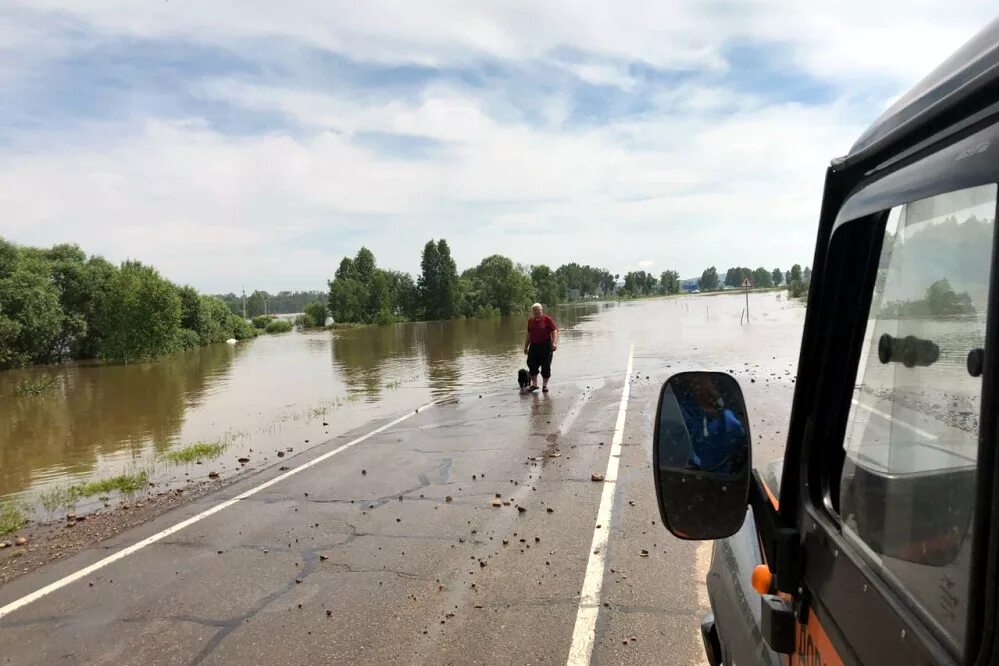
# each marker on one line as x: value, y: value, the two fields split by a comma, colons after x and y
x: 701, y: 455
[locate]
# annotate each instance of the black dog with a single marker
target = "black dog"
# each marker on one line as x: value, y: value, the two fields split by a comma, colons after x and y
x: 524, y: 379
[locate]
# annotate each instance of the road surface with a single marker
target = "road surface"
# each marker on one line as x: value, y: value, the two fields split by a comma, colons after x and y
x: 383, y: 546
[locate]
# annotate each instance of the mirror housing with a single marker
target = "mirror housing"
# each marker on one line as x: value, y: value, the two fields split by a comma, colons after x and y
x: 702, y: 455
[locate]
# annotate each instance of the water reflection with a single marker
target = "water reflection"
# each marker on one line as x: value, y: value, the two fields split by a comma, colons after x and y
x: 365, y: 355
x: 96, y: 410
x: 278, y: 391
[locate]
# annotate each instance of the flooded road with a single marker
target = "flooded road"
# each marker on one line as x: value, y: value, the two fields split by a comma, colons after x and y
x: 295, y: 390
x: 462, y: 532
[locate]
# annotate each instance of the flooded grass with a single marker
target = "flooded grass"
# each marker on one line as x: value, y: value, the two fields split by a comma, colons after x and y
x: 36, y: 385
x: 12, y: 517
x: 126, y: 484
x: 196, y: 451
x: 57, y: 498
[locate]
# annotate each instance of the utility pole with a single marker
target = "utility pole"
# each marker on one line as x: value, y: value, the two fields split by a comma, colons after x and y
x: 244, y: 303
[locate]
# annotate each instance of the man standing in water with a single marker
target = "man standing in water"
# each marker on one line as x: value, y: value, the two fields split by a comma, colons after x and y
x: 541, y: 341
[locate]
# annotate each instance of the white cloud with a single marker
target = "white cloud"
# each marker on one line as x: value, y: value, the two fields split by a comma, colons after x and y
x: 706, y: 175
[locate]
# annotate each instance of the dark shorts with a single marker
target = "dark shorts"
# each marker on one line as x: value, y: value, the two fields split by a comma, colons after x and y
x: 539, y: 355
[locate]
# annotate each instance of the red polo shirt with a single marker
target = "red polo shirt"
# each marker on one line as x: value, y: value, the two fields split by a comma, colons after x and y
x: 541, y: 329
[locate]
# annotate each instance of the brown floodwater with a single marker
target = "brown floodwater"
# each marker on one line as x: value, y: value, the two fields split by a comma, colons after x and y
x: 276, y: 392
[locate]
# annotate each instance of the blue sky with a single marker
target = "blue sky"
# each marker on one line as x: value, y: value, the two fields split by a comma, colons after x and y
x: 250, y: 144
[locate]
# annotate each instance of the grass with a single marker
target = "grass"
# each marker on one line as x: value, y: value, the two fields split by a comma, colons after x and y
x: 123, y: 483
x: 11, y: 518
x: 56, y: 498
x: 196, y: 451
x: 393, y: 384
x: 36, y: 385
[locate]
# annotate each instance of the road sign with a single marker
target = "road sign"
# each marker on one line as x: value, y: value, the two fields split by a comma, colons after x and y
x: 746, y: 284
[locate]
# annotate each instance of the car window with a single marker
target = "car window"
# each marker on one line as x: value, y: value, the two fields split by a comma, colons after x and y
x: 908, y: 483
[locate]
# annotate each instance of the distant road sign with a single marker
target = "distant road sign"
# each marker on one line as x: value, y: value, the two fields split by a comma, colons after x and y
x: 747, y: 284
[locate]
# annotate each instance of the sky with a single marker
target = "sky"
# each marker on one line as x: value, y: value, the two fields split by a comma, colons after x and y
x: 252, y: 144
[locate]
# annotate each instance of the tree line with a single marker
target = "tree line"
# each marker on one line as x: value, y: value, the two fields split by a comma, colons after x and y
x: 58, y: 304
x: 796, y: 279
x: 261, y: 303
x: 362, y: 292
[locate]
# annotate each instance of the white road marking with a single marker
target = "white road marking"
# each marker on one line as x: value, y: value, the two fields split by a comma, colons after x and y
x: 589, y: 598
x: 889, y: 417
x: 125, y: 552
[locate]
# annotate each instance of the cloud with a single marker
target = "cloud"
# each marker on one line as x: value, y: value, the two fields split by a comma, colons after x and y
x: 248, y: 145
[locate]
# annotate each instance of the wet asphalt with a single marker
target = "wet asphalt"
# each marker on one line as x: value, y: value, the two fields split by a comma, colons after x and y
x: 392, y: 551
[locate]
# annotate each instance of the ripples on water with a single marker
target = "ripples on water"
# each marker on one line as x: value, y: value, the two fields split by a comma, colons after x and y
x: 277, y: 391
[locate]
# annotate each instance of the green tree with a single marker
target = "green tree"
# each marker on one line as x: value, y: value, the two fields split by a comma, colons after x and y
x: 317, y: 312
x: 669, y: 282
x: 438, y: 281
x: 762, y: 279
x: 256, y: 304
x: 31, y: 318
x: 709, y: 279
x: 501, y: 285
x: 795, y: 275
x: 142, y: 317
x: 547, y: 288
x: 777, y: 276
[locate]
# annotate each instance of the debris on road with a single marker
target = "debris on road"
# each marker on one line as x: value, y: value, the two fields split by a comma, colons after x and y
x: 242, y: 461
x: 496, y: 503
x: 20, y: 541
x: 645, y: 553
x: 448, y: 499
x: 596, y: 477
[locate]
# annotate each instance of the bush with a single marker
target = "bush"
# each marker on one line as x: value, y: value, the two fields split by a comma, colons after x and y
x: 304, y: 321
x: 188, y: 339
x: 279, y: 326
x: 318, y: 313
x: 261, y: 321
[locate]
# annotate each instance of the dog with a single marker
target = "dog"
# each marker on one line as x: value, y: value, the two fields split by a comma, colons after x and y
x: 524, y: 379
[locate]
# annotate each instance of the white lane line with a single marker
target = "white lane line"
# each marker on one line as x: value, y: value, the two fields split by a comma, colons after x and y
x: 125, y: 552
x: 589, y: 598
x: 889, y: 417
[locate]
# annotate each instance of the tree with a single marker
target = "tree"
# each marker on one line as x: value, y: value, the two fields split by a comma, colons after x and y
x: 777, y: 277
x: 501, y: 285
x: 806, y: 275
x: 142, y: 319
x: 669, y: 282
x: 709, y: 279
x: 438, y: 281
x: 547, y: 288
x: 795, y: 275
x: 256, y: 304
x: 639, y: 283
x: 762, y: 279
x: 317, y: 312
x: 31, y: 318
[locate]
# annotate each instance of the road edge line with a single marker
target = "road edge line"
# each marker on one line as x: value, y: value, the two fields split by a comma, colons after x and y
x: 584, y: 633
x: 125, y: 552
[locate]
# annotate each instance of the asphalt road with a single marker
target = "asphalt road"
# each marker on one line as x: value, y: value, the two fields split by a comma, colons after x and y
x: 390, y: 550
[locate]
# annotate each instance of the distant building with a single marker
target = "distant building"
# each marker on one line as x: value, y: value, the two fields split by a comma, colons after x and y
x: 690, y: 285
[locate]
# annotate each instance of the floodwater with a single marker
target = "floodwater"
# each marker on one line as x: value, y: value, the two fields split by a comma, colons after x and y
x: 298, y: 389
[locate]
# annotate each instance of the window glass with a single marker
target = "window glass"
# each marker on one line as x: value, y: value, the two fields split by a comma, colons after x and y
x: 908, y: 484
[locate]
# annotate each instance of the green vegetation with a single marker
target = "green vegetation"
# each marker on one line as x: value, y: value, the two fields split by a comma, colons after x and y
x: 260, y: 321
x: 259, y: 302
x: 197, y: 451
x: 941, y: 301
x: 638, y: 283
x: 126, y: 484
x: 709, y: 279
x: 58, y: 497
x: 317, y: 312
x: 279, y: 326
x: 12, y: 517
x: 36, y: 385
x: 58, y: 304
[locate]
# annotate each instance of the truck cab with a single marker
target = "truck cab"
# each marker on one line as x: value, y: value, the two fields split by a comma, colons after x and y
x: 876, y: 539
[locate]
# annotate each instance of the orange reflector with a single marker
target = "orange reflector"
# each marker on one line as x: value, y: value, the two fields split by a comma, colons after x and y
x: 762, y: 579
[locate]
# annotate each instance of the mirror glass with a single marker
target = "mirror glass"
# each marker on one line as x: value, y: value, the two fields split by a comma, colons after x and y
x: 702, y: 456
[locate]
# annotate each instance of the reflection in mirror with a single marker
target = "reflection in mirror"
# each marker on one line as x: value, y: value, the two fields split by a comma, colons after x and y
x: 702, y: 455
